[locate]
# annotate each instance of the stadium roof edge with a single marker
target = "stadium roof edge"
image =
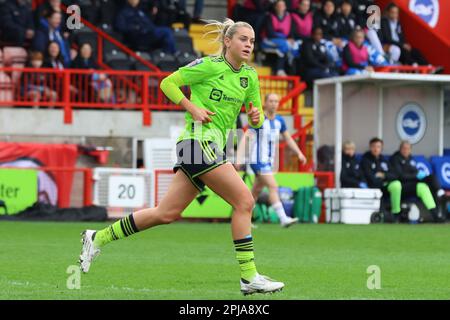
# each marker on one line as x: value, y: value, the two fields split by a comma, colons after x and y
x: 382, y: 76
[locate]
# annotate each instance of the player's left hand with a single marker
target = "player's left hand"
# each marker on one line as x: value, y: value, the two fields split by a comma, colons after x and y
x: 253, y: 114
x: 302, y: 158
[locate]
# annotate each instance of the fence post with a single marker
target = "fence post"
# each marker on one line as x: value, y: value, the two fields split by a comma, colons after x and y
x: 295, y: 98
x: 147, y: 117
x: 88, y: 181
x: 99, y: 49
x: 66, y: 97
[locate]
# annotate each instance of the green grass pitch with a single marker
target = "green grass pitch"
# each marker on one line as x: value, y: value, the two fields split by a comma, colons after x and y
x: 196, y: 261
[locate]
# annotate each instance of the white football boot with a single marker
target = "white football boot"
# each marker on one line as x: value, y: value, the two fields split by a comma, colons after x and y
x: 260, y: 284
x: 289, y: 222
x: 89, y: 250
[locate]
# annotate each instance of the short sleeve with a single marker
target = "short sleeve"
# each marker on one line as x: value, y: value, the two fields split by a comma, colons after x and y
x: 283, y: 124
x: 196, y: 71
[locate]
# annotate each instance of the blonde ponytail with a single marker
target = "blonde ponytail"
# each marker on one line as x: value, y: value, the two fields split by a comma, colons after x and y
x: 227, y: 28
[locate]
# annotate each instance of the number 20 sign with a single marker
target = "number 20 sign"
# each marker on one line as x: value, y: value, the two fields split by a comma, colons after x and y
x: 126, y: 192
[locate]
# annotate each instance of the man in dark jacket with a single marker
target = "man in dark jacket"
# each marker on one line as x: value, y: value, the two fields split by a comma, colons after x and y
x: 392, y: 34
x: 351, y: 174
x: 314, y: 61
x: 414, y: 182
x: 141, y: 32
x: 16, y: 22
x: 378, y: 175
x: 51, y: 30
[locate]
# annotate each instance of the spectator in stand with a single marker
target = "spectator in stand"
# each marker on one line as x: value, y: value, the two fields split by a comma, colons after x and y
x: 88, y: 84
x: 34, y: 84
x: 379, y: 175
x: 351, y: 174
x: 327, y: 20
x: 44, y: 11
x: 347, y: 20
x: 50, y: 31
x: 356, y: 55
x: 280, y: 37
x: 169, y: 12
x: 415, y: 182
x: 53, y: 58
x: 392, y: 53
x: 16, y: 22
x: 84, y: 59
x: 303, y: 20
x: 292, y: 5
x: 314, y: 61
x: 392, y: 35
x: 141, y: 32
x: 254, y: 12
x: 360, y: 9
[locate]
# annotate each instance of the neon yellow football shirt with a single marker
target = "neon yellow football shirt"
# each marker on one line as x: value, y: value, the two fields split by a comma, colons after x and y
x: 216, y: 86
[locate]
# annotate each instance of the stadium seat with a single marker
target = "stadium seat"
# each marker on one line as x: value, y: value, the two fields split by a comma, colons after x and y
x: 180, y: 33
x: 164, y: 61
x: 140, y: 66
x: 109, y: 47
x: 144, y: 55
x: 183, y: 41
x: 86, y: 37
x: 169, y: 66
x: 108, y: 11
x: 14, y: 56
x: 422, y: 164
x: 185, y: 46
x: 183, y: 58
x: 121, y: 64
x: 90, y: 10
x: 441, y: 166
x: 159, y: 56
x: 114, y: 55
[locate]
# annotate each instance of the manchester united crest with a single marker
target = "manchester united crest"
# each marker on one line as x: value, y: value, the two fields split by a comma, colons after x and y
x: 244, y: 82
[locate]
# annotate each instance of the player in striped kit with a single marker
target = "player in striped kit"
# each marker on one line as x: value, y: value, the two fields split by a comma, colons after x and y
x: 263, y: 144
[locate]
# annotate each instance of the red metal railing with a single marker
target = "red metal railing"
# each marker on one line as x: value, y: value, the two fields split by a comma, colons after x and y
x: 301, y: 138
x: 324, y: 180
x: 110, y: 89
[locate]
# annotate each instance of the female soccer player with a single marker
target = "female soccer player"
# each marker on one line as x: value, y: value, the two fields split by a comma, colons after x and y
x: 263, y: 141
x: 219, y: 85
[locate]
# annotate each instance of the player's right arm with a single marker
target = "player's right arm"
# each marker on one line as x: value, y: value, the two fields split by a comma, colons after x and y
x: 187, y: 75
